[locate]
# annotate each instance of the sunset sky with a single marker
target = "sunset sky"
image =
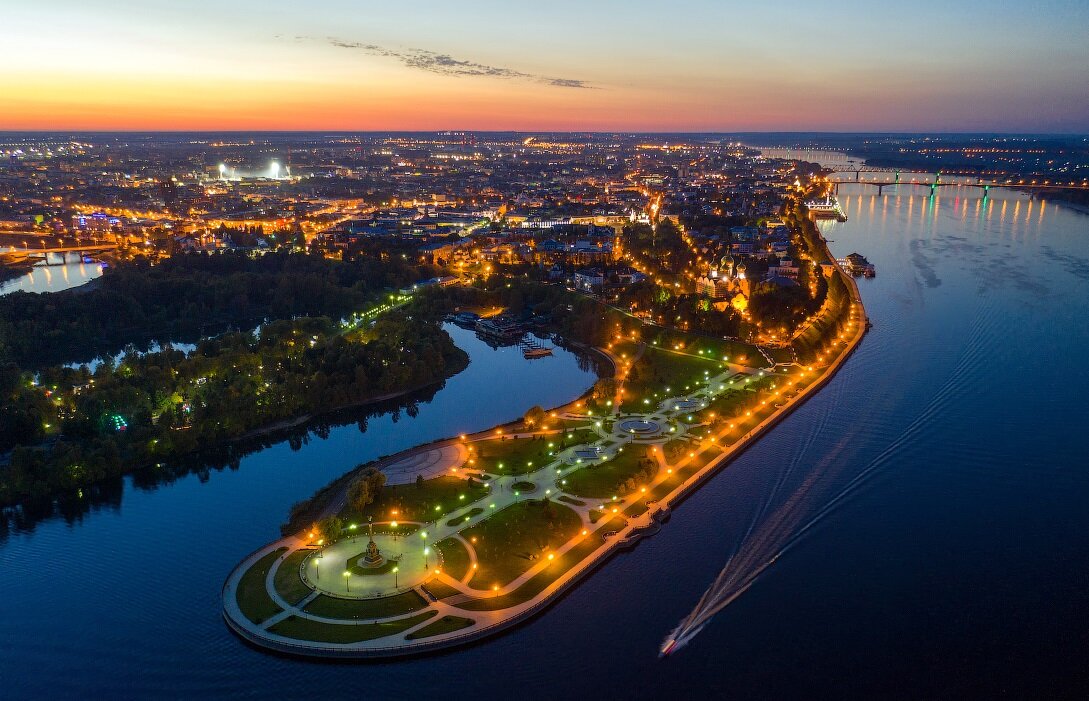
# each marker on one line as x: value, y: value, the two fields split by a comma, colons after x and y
x: 685, y: 65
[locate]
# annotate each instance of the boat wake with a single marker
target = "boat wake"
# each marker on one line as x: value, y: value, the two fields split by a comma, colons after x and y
x: 784, y: 519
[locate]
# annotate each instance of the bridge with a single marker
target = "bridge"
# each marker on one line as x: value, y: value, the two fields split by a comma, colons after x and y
x: 23, y: 255
x: 935, y: 181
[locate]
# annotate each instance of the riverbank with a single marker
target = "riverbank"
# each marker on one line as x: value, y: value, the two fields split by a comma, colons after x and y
x: 288, y: 424
x: 197, y: 423
x: 320, y: 505
x: 607, y: 525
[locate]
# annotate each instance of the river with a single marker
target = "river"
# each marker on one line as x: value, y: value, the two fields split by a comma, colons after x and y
x: 941, y: 474
x: 61, y: 271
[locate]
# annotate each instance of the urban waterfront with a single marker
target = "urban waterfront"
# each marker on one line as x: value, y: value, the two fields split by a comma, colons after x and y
x: 934, y: 481
x: 64, y: 270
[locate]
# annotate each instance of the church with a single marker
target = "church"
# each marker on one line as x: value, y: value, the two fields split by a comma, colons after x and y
x: 726, y: 282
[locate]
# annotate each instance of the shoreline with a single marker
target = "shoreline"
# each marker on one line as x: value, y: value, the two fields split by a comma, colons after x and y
x: 634, y: 529
x: 316, y: 513
x: 269, y: 429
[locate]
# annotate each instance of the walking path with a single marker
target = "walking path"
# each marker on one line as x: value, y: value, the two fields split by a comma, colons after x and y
x: 610, y: 523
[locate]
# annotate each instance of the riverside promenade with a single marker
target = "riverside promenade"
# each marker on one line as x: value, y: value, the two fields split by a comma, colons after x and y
x: 441, y: 605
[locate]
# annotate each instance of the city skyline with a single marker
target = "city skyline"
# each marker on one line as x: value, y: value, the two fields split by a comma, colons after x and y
x: 698, y: 67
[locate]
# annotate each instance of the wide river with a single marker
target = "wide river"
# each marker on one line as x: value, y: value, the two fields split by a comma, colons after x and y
x: 927, y: 514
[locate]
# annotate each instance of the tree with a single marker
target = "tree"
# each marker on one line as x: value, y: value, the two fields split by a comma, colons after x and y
x: 604, y: 389
x: 534, y: 416
x: 366, y: 489
x: 329, y: 528
x: 419, y: 481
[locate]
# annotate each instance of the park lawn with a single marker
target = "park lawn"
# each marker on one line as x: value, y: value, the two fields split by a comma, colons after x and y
x: 605, y: 480
x: 439, y: 589
x: 511, y: 456
x: 287, y: 581
x: 507, y: 542
x: 782, y: 355
x: 455, y: 558
x: 330, y: 607
x: 542, y: 580
x: 360, y: 571
x: 475, y: 511
x: 446, y: 624
x: 432, y: 500
x: 571, y: 500
x: 738, y: 352
x: 667, y: 375
x: 523, y: 486
x: 316, y: 631
x: 252, y: 596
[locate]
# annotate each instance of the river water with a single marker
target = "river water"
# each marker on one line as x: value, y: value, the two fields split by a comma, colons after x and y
x: 62, y: 271
x: 926, y: 514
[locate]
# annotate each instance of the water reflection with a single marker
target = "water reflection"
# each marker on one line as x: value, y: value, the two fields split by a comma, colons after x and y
x: 60, y: 271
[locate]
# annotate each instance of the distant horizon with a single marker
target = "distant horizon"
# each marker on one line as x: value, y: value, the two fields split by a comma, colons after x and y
x: 976, y: 66
x: 602, y: 132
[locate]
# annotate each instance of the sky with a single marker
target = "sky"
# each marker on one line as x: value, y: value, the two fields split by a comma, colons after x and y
x: 589, y: 65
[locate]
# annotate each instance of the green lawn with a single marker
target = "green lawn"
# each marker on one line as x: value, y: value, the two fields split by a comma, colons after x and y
x: 523, y: 486
x: 615, y: 477
x: 538, y: 583
x: 455, y: 558
x: 665, y: 374
x: 306, y: 629
x: 330, y: 607
x: 513, y: 456
x: 738, y: 352
x: 356, y: 569
x: 429, y: 502
x: 513, y: 540
x: 439, y: 589
x: 287, y: 581
x: 446, y: 624
x: 252, y: 596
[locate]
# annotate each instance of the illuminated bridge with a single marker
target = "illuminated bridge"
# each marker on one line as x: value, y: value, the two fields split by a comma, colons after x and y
x: 892, y: 178
x: 22, y: 255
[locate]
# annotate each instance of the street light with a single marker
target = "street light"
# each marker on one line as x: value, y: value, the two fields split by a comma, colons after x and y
x: 395, y: 569
x: 347, y: 587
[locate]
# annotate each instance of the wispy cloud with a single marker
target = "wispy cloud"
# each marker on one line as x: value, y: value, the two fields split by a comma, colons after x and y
x: 444, y: 64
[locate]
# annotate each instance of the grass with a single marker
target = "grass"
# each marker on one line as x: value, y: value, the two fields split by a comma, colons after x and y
x: 440, y: 590
x: 513, y: 540
x: 512, y: 456
x: 523, y: 486
x: 611, y: 478
x: 455, y: 558
x: 357, y: 609
x: 385, y: 568
x: 571, y: 500
x: 431, y: 501
x: 287, y: 582
x: 659, y: 369
x: 476, y: 511
x: 252, y: 596
x: 446, y: 624
x: 737, y: 351
x: 316, y: 631
x: 541, y: 581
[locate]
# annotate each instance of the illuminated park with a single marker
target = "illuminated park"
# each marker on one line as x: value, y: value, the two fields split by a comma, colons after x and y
x: 458, y: 540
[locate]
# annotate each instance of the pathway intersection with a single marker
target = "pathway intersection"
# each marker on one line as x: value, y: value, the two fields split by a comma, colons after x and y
x: 412, y: 600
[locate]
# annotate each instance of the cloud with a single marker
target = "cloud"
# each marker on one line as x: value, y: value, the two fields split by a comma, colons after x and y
x: 444, y: 64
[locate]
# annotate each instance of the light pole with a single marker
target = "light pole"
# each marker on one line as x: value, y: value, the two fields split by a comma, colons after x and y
x: 347, y: 587
x: 395, y: 568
